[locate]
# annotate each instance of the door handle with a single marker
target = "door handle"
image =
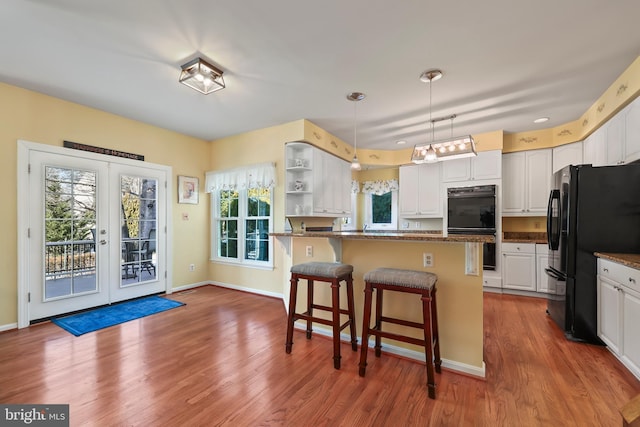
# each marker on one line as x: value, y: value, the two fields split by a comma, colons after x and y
x: 103, y: 242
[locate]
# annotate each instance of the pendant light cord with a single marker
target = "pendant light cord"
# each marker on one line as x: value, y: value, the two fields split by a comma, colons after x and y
x: 430, y: 119
x: 355, y: 128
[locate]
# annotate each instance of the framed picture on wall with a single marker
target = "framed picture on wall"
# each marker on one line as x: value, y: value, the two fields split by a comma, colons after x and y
x: 188, y: 189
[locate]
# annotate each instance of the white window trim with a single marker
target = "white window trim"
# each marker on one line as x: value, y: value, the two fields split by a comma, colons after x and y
x: 241, y: 218
x: 393, y: 225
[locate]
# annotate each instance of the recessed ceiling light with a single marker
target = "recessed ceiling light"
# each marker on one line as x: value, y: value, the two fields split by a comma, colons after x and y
x: 541, y: 120
x: 401, y: 142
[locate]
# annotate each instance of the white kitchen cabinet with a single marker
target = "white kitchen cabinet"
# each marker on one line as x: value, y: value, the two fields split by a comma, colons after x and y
x: 317, y: 183
x: 486, y: 165
x: 542, y: 262
x: 613, y: 133
x: 332, y: 178
x: 420, y: 194
x: 630, y: 338
x: 609, y: 315
x: 632, y: 131
x: 568, y: 154
x: 526, y: 182
x: 619, y: 311
x: 519, y: 266
x: 594, y: 149
x: 619, y: 138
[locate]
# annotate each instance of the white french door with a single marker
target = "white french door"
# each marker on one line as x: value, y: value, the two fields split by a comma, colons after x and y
x: 97, y: 232
x: 138, y: 225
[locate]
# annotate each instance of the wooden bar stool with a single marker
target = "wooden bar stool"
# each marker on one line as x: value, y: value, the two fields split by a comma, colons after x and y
x: 407, y: 281
x: 332, y: 273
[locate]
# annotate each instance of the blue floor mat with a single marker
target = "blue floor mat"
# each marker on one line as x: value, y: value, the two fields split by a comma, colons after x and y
x: 115, y: 314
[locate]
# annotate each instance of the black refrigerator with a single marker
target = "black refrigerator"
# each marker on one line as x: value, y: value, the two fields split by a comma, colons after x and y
x: 591, y: 209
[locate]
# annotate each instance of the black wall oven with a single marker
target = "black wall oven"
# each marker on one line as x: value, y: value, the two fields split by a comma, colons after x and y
x: 472, y: 210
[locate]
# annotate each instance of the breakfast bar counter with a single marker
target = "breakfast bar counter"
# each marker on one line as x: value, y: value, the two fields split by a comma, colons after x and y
x: 392, y: 235
x: 455, y: 259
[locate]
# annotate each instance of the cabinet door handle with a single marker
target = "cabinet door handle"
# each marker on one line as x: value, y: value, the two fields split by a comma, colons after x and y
x: 632, y: 280
x: 606, y: 270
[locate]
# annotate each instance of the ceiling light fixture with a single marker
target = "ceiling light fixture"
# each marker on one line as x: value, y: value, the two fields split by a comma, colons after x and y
x: 198, y: 74
x: 447, y: 149
x: 355, y: 97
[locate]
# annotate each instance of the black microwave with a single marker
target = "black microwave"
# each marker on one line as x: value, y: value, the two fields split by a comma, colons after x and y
x: 471, y: 210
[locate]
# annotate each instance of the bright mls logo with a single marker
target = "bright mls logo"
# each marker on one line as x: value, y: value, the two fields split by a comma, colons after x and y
x: 34, y: 415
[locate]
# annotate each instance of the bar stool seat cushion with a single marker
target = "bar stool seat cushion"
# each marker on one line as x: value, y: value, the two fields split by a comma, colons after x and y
x: 322, y: 269
x: 405, y: 278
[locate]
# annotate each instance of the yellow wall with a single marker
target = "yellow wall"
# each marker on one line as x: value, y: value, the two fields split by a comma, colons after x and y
x: 265, y: 145
x: 38, y: 118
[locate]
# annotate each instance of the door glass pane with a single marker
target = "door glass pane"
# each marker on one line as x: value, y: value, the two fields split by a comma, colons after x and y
x: 69, y: 224
x: 138, y: 222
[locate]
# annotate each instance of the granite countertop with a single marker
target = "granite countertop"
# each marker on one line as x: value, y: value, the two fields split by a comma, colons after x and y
x: 524, y: 237
x: 630, y: 260
x: 391, y: 235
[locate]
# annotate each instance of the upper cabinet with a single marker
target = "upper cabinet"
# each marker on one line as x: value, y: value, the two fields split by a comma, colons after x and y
x: 617, y: 141
x: 613, y: 133
x: 565, y: 155
x: 486, y: 165
x: 594, y: 148
x: 317, y: 183
x: 526, y: 182
x: 632, y: 131
x: 420, y: 193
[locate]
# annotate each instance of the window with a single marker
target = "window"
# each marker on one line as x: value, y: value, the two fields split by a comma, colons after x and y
x: 241, y: 201
x: 381, y: 211
x: 381, y: 204
x: 242, y: 223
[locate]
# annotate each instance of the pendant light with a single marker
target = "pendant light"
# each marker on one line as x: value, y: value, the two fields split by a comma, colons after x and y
x: 424, y: 153
x: 446, y: 149
x: 355, y: 97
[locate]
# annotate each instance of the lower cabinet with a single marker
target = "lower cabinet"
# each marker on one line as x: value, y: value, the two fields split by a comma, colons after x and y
x: 619, y: 311
x: 519, y: 266
x: 523, y: 267
x: 542, y: 262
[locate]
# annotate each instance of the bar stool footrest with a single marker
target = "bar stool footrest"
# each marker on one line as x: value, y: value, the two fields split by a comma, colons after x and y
x: 397, y: 337
x: 402, y: 322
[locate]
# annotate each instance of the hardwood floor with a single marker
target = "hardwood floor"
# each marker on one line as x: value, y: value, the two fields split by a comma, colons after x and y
x: 220, y: 360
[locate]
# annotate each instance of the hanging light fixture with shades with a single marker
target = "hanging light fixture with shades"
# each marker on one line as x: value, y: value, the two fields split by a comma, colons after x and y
x: 355, y: 97
x: 444, y: 149
x: 198, y: 74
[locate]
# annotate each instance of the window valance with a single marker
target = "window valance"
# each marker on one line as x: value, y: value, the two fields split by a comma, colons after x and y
x: 261, y: 175
x: 355, y: 186
x: 379, y: 187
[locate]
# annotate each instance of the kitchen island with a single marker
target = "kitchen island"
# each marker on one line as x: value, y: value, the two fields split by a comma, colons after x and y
x: 457, y: 261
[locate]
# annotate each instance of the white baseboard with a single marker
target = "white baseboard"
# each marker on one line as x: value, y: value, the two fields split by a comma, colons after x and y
x: 463, y: 368
x: 189, y: 286
x: 250, y: 290
x: 8, y: 327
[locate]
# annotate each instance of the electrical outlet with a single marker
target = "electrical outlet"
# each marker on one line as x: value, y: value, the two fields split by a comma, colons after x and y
x: 427, y: 259
x: 309, y: 250
x: 192, y: 267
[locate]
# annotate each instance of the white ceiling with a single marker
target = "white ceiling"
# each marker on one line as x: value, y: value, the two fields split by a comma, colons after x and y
x: 505, y: 62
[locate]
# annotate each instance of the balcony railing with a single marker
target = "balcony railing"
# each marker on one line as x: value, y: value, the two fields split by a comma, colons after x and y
x: 69, y: 258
